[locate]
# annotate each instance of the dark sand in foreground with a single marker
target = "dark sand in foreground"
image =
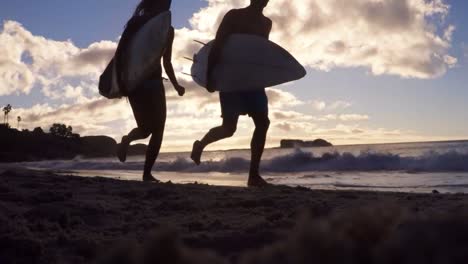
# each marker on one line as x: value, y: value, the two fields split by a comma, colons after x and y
x: 46, y: 218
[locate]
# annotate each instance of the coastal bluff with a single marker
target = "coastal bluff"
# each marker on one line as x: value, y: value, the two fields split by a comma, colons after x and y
x: 19, y: 146
x: 296, y: 143
x: 36, y: 145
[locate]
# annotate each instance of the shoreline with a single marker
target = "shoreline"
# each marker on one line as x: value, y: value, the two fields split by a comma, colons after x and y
x: 334, y: 145
x: 187, y: 152
x: 69, y: 219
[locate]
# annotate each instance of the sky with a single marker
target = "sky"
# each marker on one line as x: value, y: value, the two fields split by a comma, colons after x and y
x: 378, y: 70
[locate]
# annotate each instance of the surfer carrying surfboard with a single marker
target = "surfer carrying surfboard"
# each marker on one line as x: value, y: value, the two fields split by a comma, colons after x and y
x: 148, y: 101
x: 249, y: 20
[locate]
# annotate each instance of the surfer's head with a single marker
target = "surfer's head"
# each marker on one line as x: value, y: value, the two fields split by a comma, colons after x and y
x: 152, y: 6
x: 259, y: 3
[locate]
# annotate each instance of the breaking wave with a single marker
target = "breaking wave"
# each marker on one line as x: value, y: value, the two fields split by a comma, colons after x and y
x: 299, y: 161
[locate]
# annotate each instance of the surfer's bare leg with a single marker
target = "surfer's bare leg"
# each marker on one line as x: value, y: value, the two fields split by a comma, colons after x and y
x: 135, y: 134
x: 226, y: 130
x: 152, y: 153
x: 257, y: 145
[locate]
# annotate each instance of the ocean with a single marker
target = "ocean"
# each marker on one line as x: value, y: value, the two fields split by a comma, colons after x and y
x: 402, y: 167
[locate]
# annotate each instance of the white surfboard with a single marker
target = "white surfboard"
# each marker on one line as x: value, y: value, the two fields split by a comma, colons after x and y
x: 247, y: 62
x: 146, y: 49
x: 144, y: 53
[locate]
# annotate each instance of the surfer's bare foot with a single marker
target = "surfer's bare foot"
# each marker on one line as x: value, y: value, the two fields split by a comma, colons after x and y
x: 256, y: 181
x: 197, y: 152
x: 122, y: 149
x: 149, y: 178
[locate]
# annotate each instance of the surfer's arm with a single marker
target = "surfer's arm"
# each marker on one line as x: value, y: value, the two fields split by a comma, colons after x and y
x: 167, y: 62
x: 221, y: 35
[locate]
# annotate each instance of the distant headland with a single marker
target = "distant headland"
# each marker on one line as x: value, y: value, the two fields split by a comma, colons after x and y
x: 58, y: 143
x: 296, y: 143
x: 61, y: 143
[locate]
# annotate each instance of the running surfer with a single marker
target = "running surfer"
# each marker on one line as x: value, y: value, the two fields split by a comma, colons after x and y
x: 249, y: 20
x: 148, y: 102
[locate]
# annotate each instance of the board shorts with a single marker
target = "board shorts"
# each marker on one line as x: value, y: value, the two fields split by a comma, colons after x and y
x: 148, y: 104
x: 234, y: 104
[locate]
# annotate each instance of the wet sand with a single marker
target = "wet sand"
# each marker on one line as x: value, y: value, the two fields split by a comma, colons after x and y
x: 49, y: 218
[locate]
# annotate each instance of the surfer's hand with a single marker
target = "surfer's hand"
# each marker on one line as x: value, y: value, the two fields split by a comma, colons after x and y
x: 180, y: 90
x: 210, y: 87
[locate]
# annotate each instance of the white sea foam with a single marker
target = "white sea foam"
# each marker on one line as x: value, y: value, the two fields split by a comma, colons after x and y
x: 298, y: 161
x: 410, y: 167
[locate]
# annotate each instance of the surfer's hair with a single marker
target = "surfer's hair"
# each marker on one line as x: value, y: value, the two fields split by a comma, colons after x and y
x: 153, y: 6
x: 261, y: 3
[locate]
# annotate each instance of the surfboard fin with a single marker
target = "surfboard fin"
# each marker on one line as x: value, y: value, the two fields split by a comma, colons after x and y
x: 189, y: 59
x: 199, y: 42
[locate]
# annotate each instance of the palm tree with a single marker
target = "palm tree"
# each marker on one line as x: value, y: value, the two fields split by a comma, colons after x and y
x: 19, y: 120
x: 6, y: 111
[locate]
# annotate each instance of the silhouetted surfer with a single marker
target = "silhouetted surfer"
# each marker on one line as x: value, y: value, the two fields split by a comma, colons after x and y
x: 249, y: 20
x: 148, y: 102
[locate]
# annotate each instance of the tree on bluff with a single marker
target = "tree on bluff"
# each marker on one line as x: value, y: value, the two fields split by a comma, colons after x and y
x: 61, y: 130
x: 6, y: 111
x: 38, y: 131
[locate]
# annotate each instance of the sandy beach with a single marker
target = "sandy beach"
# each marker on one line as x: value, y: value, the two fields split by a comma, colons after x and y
x: 49, y: 218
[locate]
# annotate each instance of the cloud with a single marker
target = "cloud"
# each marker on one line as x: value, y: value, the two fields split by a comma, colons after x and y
x: 15, y: 77
x: 298, y: 129
x: 281, y: 99
x: 343, y: 134
x: 87, y: 118
x: 464, y: 47
x: 287, y: 115
x: 96, y: 55
x: 282, y: 115
x: 407, y: 38
x: 339, y: 105
x: 28, y: 60
x: 319, y: 105
x: 353, y: 117
x: 342, y: 117
x: 324, y: 106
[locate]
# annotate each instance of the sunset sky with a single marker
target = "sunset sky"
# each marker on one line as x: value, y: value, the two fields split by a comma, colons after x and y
x: 378, y: 70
